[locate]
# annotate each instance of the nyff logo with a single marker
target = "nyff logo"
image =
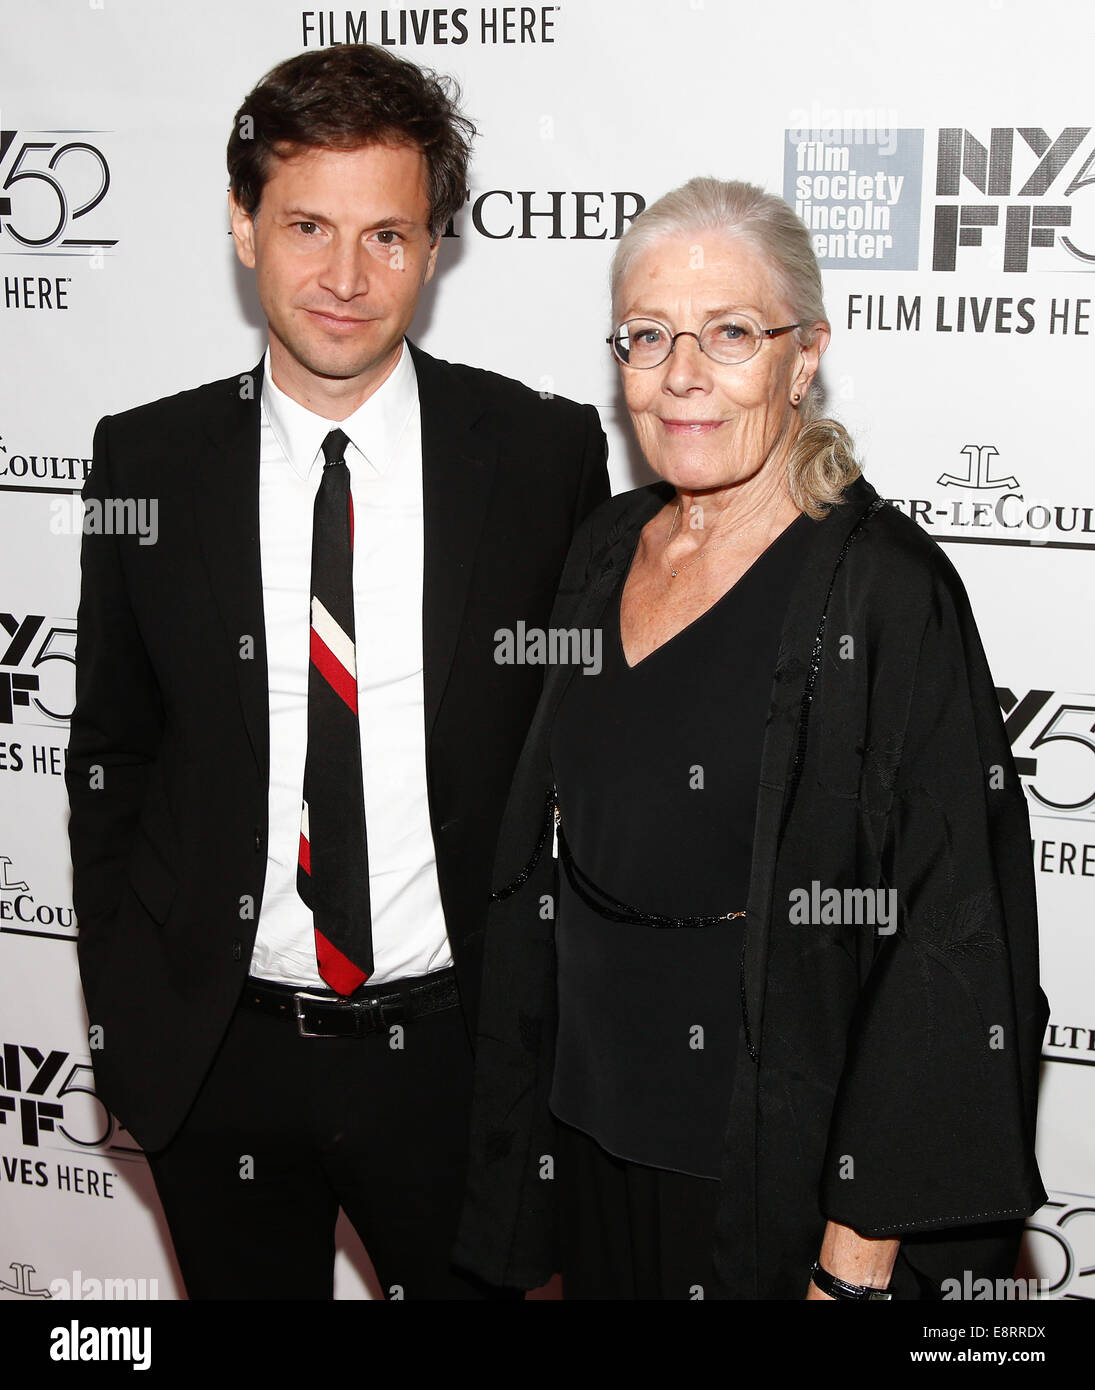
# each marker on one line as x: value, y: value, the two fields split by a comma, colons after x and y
x: 29, y: 643
x: 1024, y: 176
x: 74, y: 1113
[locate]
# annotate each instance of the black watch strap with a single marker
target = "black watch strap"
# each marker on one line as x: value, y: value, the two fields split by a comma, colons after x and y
x: 840, y: 1288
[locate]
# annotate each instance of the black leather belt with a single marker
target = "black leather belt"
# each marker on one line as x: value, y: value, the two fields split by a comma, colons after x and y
x: 370, y: 1009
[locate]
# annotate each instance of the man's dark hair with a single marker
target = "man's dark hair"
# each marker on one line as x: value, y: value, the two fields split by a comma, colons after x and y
x: 342, y: 98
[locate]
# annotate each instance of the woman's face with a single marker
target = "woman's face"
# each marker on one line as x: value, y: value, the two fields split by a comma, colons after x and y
x: 703, y: 424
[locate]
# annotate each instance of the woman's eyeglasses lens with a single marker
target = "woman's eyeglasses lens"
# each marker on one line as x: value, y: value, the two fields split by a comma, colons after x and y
x: 729, y: 338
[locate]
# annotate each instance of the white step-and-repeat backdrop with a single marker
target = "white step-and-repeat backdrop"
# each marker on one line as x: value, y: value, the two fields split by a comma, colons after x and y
x: 944, y: 155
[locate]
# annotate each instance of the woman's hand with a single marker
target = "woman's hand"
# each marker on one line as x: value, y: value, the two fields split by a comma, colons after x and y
x: 854, y: 1258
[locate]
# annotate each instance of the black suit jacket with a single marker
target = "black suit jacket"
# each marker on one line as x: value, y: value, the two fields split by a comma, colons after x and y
x: 168, y: 764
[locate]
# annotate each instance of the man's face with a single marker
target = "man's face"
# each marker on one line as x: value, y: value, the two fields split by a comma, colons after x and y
x: 341, y: 250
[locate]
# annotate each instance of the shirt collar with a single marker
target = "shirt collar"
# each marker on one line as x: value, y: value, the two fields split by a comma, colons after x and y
x: 374, y: 429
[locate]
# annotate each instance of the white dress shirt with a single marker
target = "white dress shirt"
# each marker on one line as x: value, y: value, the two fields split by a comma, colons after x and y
x: 385, y: 462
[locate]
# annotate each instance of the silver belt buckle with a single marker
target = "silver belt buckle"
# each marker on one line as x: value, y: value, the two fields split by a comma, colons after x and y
x: 319, y: 998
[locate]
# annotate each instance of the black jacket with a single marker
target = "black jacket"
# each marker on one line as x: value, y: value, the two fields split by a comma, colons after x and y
x: 886, y: 1082
x: 169, y: 836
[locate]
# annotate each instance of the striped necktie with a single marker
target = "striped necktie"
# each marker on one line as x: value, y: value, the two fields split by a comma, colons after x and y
x: 333, y: 864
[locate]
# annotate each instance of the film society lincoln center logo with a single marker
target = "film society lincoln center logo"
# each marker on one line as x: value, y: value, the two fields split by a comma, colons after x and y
x: 1011, y: 198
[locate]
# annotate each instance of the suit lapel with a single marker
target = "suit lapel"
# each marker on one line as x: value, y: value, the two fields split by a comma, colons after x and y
x: 458, y: 466
x: 225, y: 497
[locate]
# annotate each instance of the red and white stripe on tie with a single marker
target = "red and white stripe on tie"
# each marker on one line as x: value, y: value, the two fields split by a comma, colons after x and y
x: 304, y: 854
x: 333, y: 862
x: 334, y: 655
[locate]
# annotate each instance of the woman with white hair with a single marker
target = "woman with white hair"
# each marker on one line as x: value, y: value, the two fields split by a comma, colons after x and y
x: 767, y: 1023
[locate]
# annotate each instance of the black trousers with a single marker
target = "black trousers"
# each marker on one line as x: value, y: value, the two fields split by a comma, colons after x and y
x: 628, y: 1231
x: 286, y: 1129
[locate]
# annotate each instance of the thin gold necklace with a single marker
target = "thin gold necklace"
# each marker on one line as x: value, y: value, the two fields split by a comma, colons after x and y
x: 708, y: 550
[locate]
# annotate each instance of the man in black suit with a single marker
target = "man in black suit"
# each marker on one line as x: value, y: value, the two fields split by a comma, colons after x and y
x: 292, y: 743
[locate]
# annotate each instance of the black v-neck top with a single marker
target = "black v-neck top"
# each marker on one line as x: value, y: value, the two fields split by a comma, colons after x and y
x: 649, y: 1016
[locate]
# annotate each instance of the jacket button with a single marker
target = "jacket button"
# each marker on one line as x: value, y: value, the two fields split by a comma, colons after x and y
x: 237, y: 948
x: 258, y: 841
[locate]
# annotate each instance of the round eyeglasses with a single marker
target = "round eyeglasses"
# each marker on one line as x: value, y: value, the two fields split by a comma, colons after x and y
x: 729, y: 337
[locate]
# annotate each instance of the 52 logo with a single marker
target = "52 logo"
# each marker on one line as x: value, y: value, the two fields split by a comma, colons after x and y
x: 27, y: 680
x: 48, y: 185
x: 1067, y: 1240
x: 1060, y: 779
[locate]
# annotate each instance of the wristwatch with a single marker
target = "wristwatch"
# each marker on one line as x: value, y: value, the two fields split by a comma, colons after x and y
x: 841, y: 1289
